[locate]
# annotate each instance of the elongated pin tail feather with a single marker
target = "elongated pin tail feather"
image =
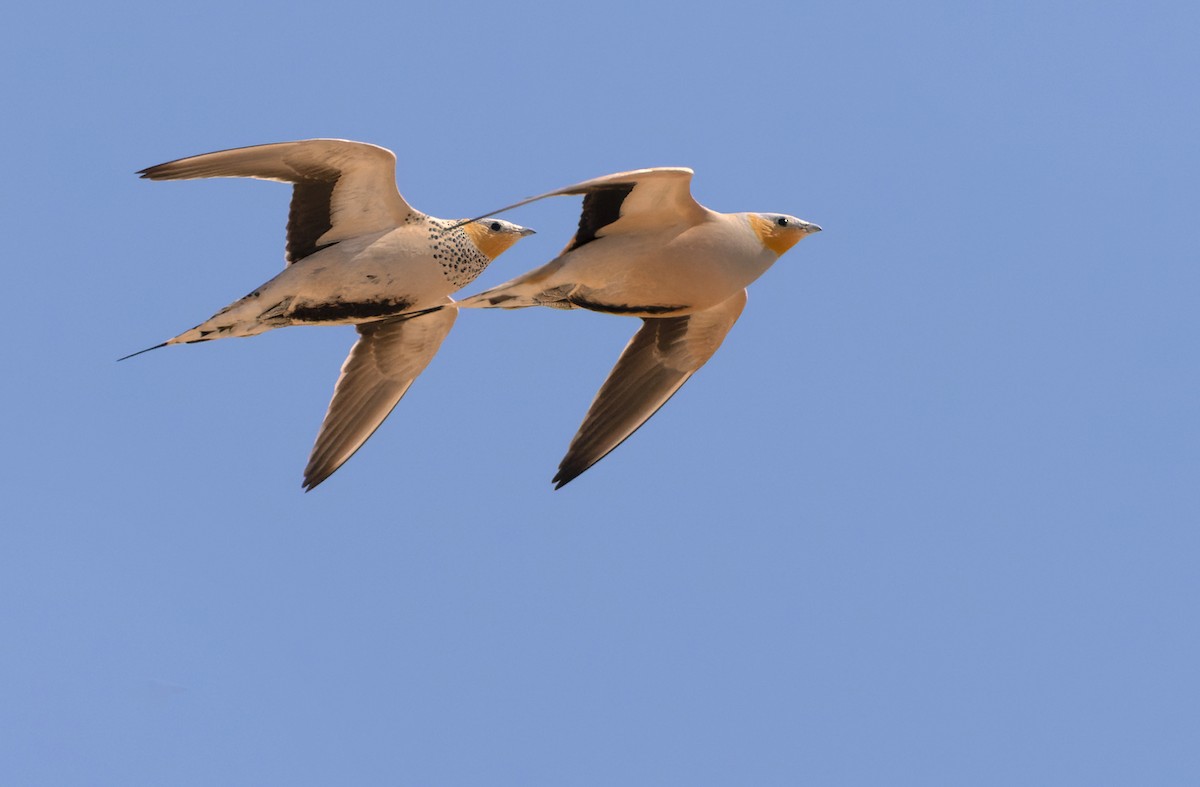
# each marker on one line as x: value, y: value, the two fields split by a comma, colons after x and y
x: 139, y: 352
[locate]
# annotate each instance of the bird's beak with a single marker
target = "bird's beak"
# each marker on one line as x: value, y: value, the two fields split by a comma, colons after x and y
x: 525, y: 232
x: 809, y: 228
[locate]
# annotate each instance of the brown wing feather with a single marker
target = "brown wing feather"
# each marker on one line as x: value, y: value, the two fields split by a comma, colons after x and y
x: 384, y: 362
x: 341, y: 188
x: 659, y: 195
x: 601, y: 207
x: 660, y: 358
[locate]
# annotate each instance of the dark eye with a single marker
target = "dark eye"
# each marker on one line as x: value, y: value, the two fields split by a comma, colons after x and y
x: 495, y: 226
x: 781, y: 222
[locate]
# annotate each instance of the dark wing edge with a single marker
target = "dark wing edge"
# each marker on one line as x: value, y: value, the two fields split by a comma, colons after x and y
x: 388, y: 356
x: 328, y: 175
x: 658, y: 360
x: 612, y: 191
x: 601, y: 207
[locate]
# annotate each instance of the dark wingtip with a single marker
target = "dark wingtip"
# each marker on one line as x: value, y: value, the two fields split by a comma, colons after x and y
x: 139, y: 352
x: 562, y: 478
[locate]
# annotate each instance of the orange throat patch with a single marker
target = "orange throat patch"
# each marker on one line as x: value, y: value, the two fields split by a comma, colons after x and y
x: 777, y: 239
x: 492, y: 244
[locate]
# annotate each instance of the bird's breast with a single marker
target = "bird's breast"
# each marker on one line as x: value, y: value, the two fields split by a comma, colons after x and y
x: 692, y: 269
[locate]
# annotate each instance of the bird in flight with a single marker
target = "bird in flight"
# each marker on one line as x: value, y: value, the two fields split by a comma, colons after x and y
x: 645, y: 248
x: 357, y: 254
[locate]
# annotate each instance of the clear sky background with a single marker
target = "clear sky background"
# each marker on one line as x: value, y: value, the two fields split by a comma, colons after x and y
x: 930, y: 516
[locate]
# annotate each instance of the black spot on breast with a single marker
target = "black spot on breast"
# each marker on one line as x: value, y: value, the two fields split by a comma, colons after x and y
x: 343, y: 311
x: 601, y: 207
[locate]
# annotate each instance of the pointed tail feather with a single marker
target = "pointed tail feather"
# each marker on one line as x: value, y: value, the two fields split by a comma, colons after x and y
x: 139, y: 352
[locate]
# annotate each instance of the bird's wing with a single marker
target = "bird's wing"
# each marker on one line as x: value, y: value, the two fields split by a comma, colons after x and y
x: 341, y: 189
x: 383, y: 363
x: 628, y: 201
x: 657, y: 362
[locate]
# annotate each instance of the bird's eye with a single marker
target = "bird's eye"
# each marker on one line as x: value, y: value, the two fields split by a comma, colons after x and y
x: 781, y: 222
x: 495, y: 226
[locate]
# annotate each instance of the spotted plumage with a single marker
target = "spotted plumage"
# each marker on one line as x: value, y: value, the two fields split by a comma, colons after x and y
x: 357, y: 254
x: 645, y: 248
x: 460, y: 257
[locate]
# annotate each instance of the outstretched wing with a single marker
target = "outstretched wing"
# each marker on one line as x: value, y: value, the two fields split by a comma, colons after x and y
x: 341, y: 189
x: 383, y: 363
x: 657, y: 362
x: 657, y: 197
x: 644, y: 199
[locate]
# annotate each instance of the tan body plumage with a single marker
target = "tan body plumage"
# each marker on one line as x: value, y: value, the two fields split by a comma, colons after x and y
x: 358, y: 254
x: 646, y: 248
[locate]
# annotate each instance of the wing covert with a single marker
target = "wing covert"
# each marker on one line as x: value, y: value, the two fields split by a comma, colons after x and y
x: 660, y: 358
x: 627, y: 201
x: 384, y: 362
x: 341, y: 189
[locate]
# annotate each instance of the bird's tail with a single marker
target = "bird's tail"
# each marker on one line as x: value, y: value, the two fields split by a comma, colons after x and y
x: 139, y: 352
x: 237, y: 319
x: 187, y: 337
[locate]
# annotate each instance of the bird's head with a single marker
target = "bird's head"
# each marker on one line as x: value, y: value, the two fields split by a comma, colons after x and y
x: 494, y: 236
x: 780, y: 232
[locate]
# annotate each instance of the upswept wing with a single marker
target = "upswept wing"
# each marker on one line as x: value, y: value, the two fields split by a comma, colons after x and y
x: 341, y: 189
x: 383, y: 363
x: 660, y: 358
x: 656, y: 197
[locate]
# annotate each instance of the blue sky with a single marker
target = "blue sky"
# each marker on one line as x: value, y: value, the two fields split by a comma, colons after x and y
x: 928, y: 517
